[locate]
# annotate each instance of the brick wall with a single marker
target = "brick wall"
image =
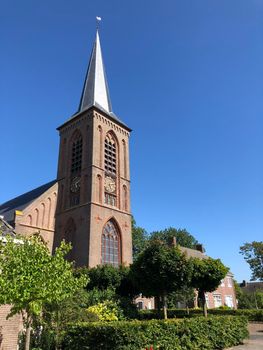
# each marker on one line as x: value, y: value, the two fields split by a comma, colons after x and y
x: 9, y: 329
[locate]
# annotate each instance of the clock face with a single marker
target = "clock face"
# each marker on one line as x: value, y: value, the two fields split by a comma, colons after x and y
x: 75, y: 184
x: 110, y: 185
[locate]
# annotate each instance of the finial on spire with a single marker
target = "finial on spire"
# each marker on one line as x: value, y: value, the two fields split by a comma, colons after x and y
x: 98, y: 19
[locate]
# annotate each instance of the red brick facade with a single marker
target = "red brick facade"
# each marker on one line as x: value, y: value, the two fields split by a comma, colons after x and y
x: 9, y: 329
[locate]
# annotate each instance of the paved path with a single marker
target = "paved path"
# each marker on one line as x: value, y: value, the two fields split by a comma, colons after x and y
x: 255, y: 341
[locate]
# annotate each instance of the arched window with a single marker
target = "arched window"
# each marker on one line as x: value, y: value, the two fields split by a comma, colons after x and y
x: 110, y: 245
x: 29, y: 220
x: 43, y: 209
x: 37, y: 216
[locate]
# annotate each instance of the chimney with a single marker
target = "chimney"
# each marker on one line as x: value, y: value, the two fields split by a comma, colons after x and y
x: 200, y: 248
x: 173, y: 241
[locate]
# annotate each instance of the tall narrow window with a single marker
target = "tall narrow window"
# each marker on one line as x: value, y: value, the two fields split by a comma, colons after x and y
x: 110, y: 245
x: 43, y: 214
x: 101, y: 144
x: 110, y: 155
x: 76, y: 163
x: 37, y: 216
x: 124, y: 158
x: 110, y: 166
x: 76, y: 155
x: 125, y: 198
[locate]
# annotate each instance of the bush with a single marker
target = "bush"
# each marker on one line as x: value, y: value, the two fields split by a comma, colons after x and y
x: 191, y: 334
x: 106, y: 311
x: 252, y: 315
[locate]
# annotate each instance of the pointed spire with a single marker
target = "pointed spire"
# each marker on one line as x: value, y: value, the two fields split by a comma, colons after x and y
x: 95, y: 91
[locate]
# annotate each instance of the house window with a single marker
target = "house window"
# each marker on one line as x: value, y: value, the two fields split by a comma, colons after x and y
x: 110, y: 245
x: 222, y: 283
x: 229, y: 301
x: 140, y: 305
x: 217, y: 300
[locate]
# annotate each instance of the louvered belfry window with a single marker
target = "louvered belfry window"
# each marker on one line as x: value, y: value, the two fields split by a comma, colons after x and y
x: 110, y: 245
x: 76, y: 157
x: 110, y: 155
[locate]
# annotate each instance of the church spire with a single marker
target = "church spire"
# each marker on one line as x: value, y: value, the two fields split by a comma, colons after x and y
x: 95, y: 91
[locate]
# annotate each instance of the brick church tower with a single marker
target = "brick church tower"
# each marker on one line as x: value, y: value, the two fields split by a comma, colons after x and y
x: 93, y: 204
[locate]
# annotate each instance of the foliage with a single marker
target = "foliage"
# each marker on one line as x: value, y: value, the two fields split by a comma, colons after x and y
x: 186, y: 296
x: 251, y: 315
x: 139, y: 239
x: 106, y: 311
x: 192, y: 334
x: 250, y: 300
x: 31, y: 277
x: 183, y: 238
x: 112, y: 284
x: 207, y: 275
x: 160, y: 270
x: 253, y: 254
x: 104, y: 277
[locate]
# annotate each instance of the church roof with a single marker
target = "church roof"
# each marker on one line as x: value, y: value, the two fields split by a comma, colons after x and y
x: 95, y: 91
x: 5, y: 228
x: 7, y: 209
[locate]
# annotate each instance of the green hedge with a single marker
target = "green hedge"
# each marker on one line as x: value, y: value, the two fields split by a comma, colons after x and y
x: 252, y: 315
x: 188, y: 334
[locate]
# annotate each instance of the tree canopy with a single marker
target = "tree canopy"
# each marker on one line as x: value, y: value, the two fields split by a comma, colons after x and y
x: 253, y: 254
x: 161, y: 269
x: 207, y: 275
x: 183, y: 238
x: 139, y: 239
x: 30, y: 277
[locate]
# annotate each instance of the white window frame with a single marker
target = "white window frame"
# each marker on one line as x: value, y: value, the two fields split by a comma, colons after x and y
x: 217, y: 300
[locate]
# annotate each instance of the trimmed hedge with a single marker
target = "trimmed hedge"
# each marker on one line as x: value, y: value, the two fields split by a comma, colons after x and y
x: 189, y: 334
x: 250, y: 314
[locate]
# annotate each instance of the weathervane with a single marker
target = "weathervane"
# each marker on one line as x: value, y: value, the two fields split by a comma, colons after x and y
x: 98, y: 19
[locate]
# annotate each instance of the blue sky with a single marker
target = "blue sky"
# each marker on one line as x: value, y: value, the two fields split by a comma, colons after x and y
x: 185, y: 75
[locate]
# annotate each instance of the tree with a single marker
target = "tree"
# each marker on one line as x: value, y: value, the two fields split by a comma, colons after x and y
x: 253, y: 254
x: 186, y: 295
x: 183, y: 238
x: 109, y: 283
x: 159, y: 270
x: 207, y: 275
x: 139, y: 239
x: 30, y: 277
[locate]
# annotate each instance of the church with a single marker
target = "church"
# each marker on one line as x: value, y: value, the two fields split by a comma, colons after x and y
x: 88, y: 204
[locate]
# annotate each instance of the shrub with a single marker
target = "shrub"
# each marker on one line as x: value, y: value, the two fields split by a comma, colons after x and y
x: 191, y: 334
x: 106, y: 311
x: 252, y: 315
